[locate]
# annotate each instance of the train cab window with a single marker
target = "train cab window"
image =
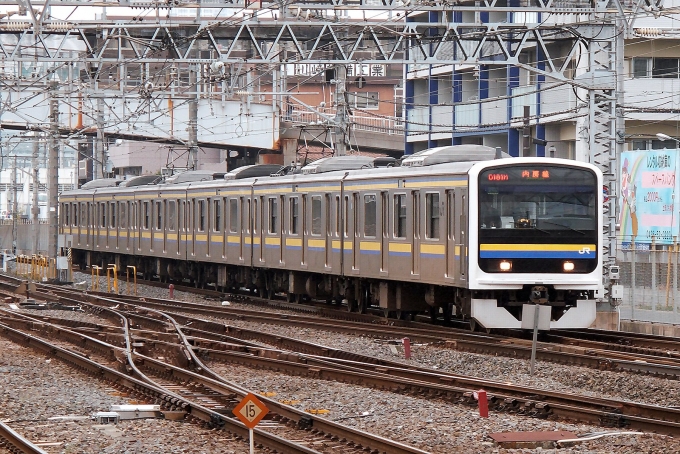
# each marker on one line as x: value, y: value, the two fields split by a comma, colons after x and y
x: 294, y: 215
x: 432, y: 216
x: 172, y: 215
x: 400, y: 215
x: 217, y: 215
x: 369, y: 215
x: 146, y: 215
x: 273, y: 215
x: 113, y: 214
x: 316, y: 215
x: 201, y: 215
x: 233, y: 215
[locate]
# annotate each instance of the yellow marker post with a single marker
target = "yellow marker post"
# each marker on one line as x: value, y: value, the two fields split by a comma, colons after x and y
x: 127, y: 278
x: 95, y: 282
x: 112, y: 267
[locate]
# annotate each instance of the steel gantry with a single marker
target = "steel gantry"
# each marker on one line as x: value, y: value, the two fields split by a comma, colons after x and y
x: 137, y: 74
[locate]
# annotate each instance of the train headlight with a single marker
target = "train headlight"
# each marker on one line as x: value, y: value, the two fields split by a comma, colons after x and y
x: 568, y: 266
x: 505, y: 265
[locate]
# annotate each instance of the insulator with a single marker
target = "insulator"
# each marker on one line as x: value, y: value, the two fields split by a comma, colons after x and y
x: 648, y: 31
x: 60, y: 26
x: 16, y: 25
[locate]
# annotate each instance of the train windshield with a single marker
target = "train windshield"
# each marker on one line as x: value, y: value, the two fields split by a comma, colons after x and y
x: 534, y: 202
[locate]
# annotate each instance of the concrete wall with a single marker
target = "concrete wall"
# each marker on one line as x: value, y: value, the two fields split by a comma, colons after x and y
x: 25, y: 237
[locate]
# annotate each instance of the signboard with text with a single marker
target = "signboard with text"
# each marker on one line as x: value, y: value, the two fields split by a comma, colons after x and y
x: 647, y: 197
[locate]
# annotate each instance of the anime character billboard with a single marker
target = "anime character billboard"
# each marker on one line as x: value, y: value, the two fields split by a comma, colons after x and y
x: 648, y: 186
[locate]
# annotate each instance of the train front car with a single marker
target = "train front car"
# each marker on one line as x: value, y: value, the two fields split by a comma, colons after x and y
x: 535, y: 238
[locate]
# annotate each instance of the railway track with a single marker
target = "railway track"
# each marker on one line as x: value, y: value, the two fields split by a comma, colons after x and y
x: 214, y: 342
x: 208, y: 400
x: 12, y: 442
x: 598, y: 355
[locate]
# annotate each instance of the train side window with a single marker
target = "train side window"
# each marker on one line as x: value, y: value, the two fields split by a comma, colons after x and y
x: 346, y: 217
x: 255, y: 216
x: 432, y: 216
x: 294, y: 215
x: 201, y: 215
x: 400, y: 215
x: 172, y: 214
x: 146, y: 215
x: 273, y: 214
x: 159, y: 215
x: 66, y: 209
x: 316, y: 215
x: 122, y: 214
x: 246, y: 216
x: 75, y: 214
x: 103, y: 213
x: 233, y: 215
x: 114, y: 206
x: 337, y: 215
x: 369, y: 215
x: 217, y: 215
x: 83, y: 213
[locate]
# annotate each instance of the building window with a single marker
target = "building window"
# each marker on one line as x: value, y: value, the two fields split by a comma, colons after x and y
x: 432, y: 216
x: 666, y: 68
x: 400, y: 216
x: 316, y: 215
x: 364, y: 100
x: 294, y: 215
x: 233, y: 215
x: 369, y: 215
x: 641, y: 67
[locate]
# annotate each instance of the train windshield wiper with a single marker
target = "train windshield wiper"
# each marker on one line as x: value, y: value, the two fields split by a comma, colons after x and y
x: 565, y: 226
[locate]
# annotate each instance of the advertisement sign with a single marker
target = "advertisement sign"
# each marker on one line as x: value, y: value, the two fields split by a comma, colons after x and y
x: 648, y: 187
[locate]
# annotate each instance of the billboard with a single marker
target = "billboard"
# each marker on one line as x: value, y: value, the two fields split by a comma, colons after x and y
x: 646, y: 201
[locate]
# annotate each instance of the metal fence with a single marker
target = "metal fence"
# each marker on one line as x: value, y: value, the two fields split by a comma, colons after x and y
x: 649, y: 275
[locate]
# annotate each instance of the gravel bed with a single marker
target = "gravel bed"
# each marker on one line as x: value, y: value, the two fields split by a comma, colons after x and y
x: 33, y: 390
x: 432, y: 425
x: 436, y: 425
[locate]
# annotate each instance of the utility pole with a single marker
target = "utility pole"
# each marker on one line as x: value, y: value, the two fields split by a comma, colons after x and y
x: 35, y: 209
x: 526, y: 132
x: 53, y: 172
x: 193, y: 118
x: 341, y: 123
x: 99, y: 161
x: 15, y: 213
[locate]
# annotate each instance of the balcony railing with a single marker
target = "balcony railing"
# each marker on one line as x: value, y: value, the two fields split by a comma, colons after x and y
x: 523, y: 96
x: 359, y: 122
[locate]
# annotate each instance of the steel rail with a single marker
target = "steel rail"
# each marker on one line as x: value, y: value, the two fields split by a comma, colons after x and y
x: 16, y: 442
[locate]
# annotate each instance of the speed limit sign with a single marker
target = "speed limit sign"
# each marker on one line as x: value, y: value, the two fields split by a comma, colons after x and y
x: 250, y: 411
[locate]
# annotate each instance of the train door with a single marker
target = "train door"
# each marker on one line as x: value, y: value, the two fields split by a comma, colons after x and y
x: 463, y: 235
x: 303, y: 230
x: 281, y: 222
x: 385, y: 232
x: 329, y: 230
x: 114, y: 225
x: 355, y: 227
x: 416, y: 222
x: 263, y: 224
x: 452, y: 254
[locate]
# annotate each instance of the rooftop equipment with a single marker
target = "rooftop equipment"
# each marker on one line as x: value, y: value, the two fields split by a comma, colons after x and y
x: 453, y: 153
x: 336, y: 163
x: 252, y: 171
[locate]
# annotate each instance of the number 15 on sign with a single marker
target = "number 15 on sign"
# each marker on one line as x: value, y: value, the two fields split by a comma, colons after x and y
x: 250, y: 411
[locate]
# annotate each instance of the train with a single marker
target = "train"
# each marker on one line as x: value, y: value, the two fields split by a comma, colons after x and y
x: 461, y: 231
